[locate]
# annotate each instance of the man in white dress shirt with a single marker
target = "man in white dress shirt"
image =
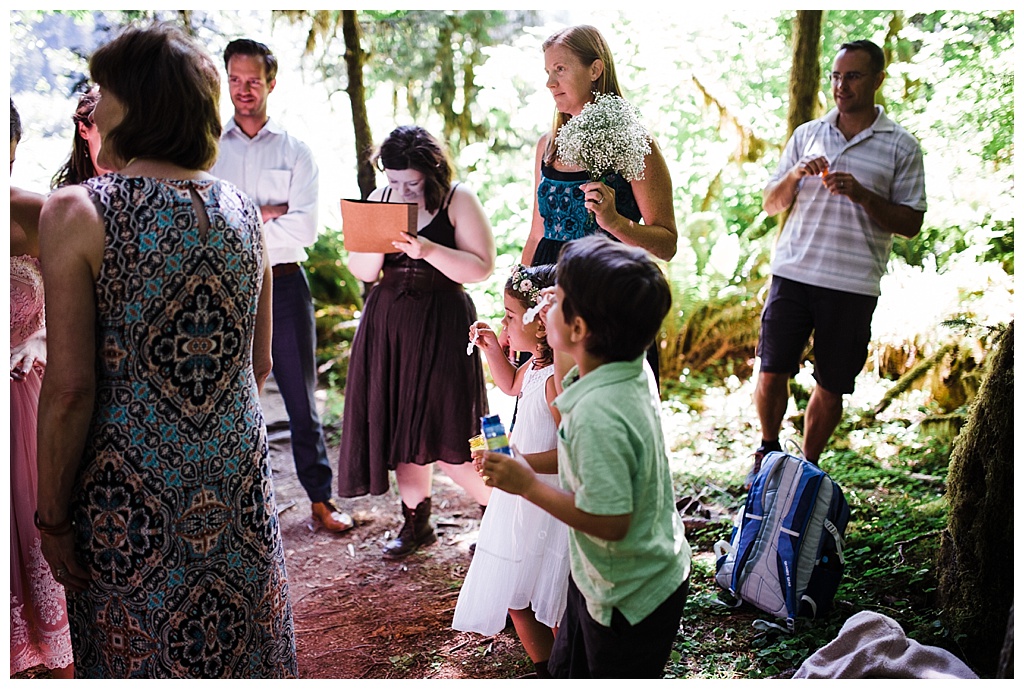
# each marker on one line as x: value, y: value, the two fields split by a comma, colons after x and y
x: 279, y: 173
x: 853, y: 179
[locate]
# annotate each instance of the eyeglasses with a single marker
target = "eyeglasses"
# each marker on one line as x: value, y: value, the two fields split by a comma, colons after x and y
x: 850, y: 77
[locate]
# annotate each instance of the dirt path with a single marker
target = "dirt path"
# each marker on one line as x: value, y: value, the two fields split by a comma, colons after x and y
x: 359, y: 616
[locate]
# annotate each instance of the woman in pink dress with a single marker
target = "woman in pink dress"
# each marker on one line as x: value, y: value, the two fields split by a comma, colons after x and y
x: 39, y: 619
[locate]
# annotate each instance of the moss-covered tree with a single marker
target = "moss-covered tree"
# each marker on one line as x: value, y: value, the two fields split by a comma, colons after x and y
x: 805, y: 74
x: 976, y: 557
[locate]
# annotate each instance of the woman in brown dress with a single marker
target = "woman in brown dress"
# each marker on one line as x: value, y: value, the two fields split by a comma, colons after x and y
x: 413, y: 396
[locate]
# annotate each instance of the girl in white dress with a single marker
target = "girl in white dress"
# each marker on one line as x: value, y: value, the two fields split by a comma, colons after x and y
x: 521, y: 564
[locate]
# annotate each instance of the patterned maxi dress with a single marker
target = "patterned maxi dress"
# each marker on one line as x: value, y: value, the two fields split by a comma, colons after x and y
x: 173, y: 504
x: 39, y: 621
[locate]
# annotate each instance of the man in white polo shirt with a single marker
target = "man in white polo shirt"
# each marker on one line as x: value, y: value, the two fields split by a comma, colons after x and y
x: 852, y: 179
x: 279, y: 173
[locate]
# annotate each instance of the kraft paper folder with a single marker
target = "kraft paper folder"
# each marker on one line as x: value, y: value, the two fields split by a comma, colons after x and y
x: 371, y: 226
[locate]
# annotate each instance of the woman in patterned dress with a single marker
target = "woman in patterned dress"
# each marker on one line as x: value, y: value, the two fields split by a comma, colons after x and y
x: 155, y: 495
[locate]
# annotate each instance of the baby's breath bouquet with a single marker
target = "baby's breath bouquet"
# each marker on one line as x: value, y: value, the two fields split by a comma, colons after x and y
x: 605, y: 137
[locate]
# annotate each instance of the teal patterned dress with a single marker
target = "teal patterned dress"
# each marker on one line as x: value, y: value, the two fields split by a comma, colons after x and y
x: 173, y: 505
x: 561, y: 205
x: 560, y: 202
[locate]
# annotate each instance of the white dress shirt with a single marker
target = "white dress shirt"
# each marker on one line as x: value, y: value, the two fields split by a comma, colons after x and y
x: 273, y: 168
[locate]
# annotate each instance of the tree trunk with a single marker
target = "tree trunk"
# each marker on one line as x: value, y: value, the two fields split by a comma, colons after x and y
x: 354, y: 59
x: 185, y: 16
x: 976, y: 556
x: 445, y: 88
x: 805, y: 76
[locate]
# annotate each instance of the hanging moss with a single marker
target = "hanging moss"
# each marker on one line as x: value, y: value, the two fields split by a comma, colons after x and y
x: 976, y: 556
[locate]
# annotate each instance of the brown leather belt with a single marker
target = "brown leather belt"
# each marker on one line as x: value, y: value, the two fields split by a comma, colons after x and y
x: 282, y: 269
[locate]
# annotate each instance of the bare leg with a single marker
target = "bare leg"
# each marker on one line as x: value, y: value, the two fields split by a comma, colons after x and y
x: 414, y: 481
x: 771, y: 397
x: 824, y: 411
x: 537, y: 638
x: 465, y: 475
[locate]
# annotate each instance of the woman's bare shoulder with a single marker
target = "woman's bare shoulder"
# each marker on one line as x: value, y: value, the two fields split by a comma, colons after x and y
x: 73, y: 197
x: 70, y: 214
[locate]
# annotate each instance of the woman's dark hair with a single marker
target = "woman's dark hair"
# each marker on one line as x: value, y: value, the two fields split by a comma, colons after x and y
x: 79, y: 167
x: 618, y: 290
x: 413, y: 148
x: 170, y: 89
x: 539, y: 278
x: 15, y: 123
x: 587, y: 44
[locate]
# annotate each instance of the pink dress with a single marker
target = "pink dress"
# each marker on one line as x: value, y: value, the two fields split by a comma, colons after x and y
x: 39, y: 619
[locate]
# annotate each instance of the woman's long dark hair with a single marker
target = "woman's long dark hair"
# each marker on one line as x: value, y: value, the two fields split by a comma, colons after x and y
x: 78, y: 167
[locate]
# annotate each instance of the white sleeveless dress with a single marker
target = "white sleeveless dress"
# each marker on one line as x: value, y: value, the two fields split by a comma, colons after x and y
x: 522, y: 554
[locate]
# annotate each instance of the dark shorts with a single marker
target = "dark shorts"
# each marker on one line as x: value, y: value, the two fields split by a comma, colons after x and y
x: 840, y: 321
x: 585, y: 648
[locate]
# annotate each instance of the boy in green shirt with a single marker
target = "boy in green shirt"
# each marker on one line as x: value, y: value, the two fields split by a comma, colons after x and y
x: 629, y: 558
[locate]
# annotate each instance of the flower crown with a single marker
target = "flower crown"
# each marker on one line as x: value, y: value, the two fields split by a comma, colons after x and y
x: 522, y: 283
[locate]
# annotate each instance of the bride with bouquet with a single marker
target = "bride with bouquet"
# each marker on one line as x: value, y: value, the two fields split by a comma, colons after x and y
x: 597, y: 169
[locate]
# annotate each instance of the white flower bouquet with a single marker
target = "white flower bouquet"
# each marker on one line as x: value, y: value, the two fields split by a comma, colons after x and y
x: 607, y: 136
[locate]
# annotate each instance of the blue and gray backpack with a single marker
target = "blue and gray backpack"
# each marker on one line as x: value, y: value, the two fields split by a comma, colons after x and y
x: 786, y: 552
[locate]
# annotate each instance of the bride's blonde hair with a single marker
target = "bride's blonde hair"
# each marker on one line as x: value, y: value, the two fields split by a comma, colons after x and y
x: 587, y: 44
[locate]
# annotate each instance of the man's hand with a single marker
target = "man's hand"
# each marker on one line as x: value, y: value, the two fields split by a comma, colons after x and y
x: 816, y: 165
x: 780, y: 195
x: 844, y: 184
x: 272, y: 212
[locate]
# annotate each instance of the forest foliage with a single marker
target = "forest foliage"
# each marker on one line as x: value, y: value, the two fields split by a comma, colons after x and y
x: 712, y: 86
x: 715, y: 100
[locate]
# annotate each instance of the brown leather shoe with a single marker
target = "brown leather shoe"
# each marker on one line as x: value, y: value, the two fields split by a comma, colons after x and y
x: 331, y: 518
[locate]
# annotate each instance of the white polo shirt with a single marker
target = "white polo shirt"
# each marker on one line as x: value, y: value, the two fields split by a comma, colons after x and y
x: 273, y: 168
x: 830, y: 241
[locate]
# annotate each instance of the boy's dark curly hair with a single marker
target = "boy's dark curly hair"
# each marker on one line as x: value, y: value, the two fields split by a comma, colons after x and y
x: 618, y: 290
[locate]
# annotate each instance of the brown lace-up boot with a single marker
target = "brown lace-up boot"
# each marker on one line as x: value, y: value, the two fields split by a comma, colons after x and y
x: 416, y: 532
